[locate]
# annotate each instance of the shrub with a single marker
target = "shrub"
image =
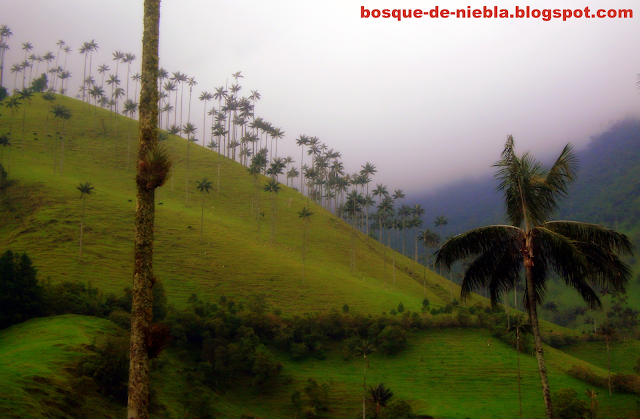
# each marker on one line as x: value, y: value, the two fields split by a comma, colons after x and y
x: 392, y: 339
x: 568, y: 405
x: 109, y: 367
x: 20, y: 293
x: 586, y: 375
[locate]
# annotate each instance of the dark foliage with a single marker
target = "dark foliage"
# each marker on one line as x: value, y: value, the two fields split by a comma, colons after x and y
x: 568, y: 405
x: 109, y: 367
x: 20, y: 293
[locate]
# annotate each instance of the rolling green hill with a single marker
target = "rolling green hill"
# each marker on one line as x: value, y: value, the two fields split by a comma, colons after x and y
x: 444, y: 373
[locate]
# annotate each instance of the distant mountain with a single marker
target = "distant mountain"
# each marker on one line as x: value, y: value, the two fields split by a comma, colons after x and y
x: 606, y: 192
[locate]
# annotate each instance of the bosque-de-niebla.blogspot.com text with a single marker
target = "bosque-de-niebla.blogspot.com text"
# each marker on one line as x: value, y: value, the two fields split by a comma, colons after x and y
x: 495, y: 12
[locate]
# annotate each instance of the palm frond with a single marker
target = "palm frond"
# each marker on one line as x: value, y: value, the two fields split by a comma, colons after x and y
x: 475, y: 242
x: 497, y: 268
x: 593, y: 233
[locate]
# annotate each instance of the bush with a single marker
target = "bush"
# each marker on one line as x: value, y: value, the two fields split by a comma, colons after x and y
x: 109, y: 367
x: 568, y: 405
x: 626, y: 383
x: 392, y: 340
x: 20, y: 293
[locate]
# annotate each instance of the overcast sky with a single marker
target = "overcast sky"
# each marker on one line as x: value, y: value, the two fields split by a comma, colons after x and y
x: 428, y: 101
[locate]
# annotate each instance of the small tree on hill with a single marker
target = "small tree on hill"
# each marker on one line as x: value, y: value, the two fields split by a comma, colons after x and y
x: 203, y: 186
x: 305, y: 214
x: 20, y: 294
x: 379, y: 396
x: 85, y: 189
x: 609, y: 333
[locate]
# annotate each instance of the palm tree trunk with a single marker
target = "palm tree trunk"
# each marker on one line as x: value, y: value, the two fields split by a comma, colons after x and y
x: 81, y: 228
x: 364, y: 388
x: 202, y: 219
x: 519, y: 384
x: 533, y: 319
x: 608, y: 366
x: 138, y: 393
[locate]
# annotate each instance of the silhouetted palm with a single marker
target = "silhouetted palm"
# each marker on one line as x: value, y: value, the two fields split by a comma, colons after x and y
x: 85, y: 189
x: 203, y: 186
x: 580, y: 253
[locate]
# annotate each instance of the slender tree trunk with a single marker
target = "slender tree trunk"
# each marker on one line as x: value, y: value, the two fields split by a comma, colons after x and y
x: 364, y: 388
x: 519, y: 379
x: 533, y: 318
x: 138, y: 399
x: 608, y: 366
x: 81, y: 228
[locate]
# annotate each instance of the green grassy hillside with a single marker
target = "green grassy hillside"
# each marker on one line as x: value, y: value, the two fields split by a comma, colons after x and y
x: 41, y: 215
x: 446, y: 373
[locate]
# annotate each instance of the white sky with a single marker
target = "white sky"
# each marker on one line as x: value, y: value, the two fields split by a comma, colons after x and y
x: 427, y: 101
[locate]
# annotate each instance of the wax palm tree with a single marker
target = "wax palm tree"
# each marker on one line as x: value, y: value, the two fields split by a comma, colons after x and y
x: 582, y: 254
x: 429, y: 240
x: 379, y: 396
x: 5, y: 141
x: 128, y: 58
x: 103, y: 69
x: 353, y: 208
x: 85, y: 189
x: 16, y: 69
x: 204, y: 97
x: 24, y: 95
x: 48, y: 57
x: 136, y: 77
x: 190, y: 130
x: 302, y: 141
x: 609, y: 333
x: 519, y: 329
x: 592, y: 395
x: 440, y: 221
x: 150, y: 175
x: 368, y: 170
x: 26, y: 46
x: 273, y: 187
x: 305, y: 214
x: 363, y: 349
x: 63, y: 113
x: 130, y: 109
x: 385, y: 210
x: 5, y: 34
x: 203, y: 186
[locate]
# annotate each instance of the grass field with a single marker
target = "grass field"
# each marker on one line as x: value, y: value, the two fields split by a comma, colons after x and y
x: 445, y: 373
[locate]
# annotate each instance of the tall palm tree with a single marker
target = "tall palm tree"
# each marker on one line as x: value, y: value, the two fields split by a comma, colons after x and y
x: 26, y: 46
x: 5, y: 141
x: 305, y: 214
x: 141, y: 315
x: 353, y: 208
x: 368, y: 170
x: 25, y: 95
x: 379, y: 396
x: 103, y: 69
x: 85, y: 189
x: 190, y: 130
x: 302, y: 141
x: 204, y: 97
x: 429, y: 240
x: 273, y: 187
x: 5, y: 34
x: 203, y: 186
x: 16, y: 69
x: 63, y: 113
x: 592, y: 395
x: 582, y: 254
x: 363, y: 349
x: 519, y: 329
x: 608, y: 332
x: 128, y: 58
x: 130, y: 109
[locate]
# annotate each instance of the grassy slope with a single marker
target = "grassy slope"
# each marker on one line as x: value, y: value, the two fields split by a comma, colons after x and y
x: 445, y: 373
x: 41, y: 214
x: 231, y: 260
x: 33, y: 378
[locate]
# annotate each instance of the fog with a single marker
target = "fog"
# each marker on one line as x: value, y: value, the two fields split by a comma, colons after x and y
x: 428, y: 101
